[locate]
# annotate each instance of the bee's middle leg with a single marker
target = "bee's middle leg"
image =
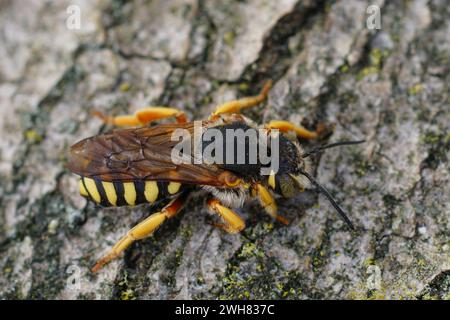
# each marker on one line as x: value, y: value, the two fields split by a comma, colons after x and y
x: 143, y: 116
x: 142, y: 230
x: 233, y: 223
x: 236, y: 106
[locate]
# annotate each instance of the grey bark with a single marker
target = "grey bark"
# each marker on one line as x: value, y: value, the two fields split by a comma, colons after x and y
x: 389, y: 86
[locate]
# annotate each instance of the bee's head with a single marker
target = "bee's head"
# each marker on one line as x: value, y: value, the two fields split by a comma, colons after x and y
x: 294, y: 172
x: 288, y: 179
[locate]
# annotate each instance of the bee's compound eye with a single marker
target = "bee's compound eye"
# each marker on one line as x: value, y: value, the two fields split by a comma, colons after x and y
x: 298, y: 182
x: 287, y: 186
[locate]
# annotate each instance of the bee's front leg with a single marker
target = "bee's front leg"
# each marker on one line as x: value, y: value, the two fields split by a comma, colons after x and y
x: 268, y: 203
x: 285, y: 126
x: 142, y: 230
x: 233, y: 223
x: 143, y: 116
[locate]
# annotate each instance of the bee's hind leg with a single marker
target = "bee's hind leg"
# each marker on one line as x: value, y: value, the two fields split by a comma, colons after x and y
x: 142, y: 230
x: 236, y: 106
x: 143, y: 116
x: 233, y: 223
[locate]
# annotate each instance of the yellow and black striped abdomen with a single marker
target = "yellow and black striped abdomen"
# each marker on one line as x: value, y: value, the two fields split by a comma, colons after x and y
x: 119, y: 193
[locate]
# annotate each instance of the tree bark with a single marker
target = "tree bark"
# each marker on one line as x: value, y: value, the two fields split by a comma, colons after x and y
x: 389, y: 86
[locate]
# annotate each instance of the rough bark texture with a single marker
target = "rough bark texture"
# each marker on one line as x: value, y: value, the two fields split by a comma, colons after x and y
x: 389, y: 86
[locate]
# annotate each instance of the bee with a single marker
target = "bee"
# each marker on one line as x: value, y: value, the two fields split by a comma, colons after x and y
x: 132, y: 166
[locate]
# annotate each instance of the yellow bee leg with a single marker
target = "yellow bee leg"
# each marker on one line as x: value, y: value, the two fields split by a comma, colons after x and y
x: 269, y: 204
x: 285, y: 126
x: 150, y: 114
x: 236, y: 106
x: 143, y: 116
x: 142, y: 230
x: 233, y: 223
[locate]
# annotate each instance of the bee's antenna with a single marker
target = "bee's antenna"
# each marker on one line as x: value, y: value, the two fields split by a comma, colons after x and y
x: 331, y: 145
x: 330, y: 198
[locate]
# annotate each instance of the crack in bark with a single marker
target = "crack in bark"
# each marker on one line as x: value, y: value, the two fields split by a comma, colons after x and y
x: 274, y: 58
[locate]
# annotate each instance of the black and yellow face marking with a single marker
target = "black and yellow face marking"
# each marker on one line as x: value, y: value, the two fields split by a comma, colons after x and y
x: 131, y: 193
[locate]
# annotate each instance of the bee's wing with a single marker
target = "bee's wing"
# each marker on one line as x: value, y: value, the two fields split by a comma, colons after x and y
x: 144, y: 154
